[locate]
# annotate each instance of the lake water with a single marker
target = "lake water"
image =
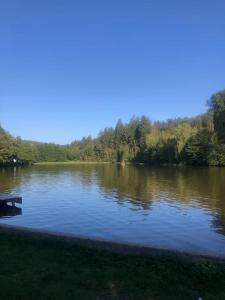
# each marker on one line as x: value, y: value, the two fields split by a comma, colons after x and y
x: 180, y: 208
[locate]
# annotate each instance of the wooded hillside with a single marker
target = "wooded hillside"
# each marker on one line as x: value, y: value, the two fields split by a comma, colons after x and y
x: 195, y: 141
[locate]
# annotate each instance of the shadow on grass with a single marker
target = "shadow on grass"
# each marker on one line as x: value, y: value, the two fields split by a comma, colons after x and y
x: 51, y: 269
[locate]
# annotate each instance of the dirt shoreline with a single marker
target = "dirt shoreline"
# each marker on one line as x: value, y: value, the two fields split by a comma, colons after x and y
x: 119, y: 247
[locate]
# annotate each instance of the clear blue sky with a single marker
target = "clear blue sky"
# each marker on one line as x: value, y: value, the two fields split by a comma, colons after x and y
x: 70, y: 68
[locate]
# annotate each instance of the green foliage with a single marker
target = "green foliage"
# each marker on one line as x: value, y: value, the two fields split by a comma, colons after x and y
x: 49, y: 152
x: 217, y: 106
x: 8, y: 148
x: 199, y: 141
x: 199, y: 148
x: 14, y: 151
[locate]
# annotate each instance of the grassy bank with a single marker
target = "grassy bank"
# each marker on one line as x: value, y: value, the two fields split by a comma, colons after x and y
x: 49, y: 269
x: 69, y: 162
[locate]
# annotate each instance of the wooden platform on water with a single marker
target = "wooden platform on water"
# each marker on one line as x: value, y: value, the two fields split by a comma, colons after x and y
x: 8, y: 198
x: 7, y: 211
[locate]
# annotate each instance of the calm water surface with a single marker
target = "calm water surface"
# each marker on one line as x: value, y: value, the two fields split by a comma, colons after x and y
x: 177, y: 208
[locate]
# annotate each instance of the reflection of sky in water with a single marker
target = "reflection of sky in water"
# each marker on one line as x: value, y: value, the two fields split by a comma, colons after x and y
x: 137, y: 205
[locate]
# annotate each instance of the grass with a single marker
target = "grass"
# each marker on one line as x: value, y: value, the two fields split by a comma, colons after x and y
x: 51, y: 269
x: 71, y: 162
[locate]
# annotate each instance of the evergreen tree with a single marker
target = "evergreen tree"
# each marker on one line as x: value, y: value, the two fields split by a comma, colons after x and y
x: 217, y: 106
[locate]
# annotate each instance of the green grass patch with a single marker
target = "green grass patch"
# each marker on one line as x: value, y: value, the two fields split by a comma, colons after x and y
x: 71, y: 162
x: 51, y: 269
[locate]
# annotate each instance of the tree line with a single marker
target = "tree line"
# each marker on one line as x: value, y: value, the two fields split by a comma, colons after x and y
x: 192, y: 141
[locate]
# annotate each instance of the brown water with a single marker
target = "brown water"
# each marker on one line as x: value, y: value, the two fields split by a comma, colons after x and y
x: 180, y: 208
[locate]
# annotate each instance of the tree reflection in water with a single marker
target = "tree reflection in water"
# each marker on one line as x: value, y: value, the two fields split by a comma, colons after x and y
x: 139, y: 185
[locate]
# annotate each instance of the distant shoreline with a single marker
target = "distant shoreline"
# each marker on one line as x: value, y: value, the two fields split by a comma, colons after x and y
x: 70, y: 162
x: 80, y: 162
x: 128, y: 163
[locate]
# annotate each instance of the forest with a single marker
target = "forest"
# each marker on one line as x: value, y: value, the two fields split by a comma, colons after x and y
x: 191, y: 141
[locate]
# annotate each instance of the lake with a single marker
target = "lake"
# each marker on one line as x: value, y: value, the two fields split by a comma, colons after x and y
x: 180, y: 208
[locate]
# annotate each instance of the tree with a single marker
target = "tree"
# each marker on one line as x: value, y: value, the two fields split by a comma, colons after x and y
x: 217, y: 106
x: 197, y: 140
x: 199, y: 148
x: 8, y: 149
x: 143, y: 128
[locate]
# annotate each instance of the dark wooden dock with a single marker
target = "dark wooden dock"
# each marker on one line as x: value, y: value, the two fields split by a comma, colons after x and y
x: 8, y: 198
x: 7, y: 211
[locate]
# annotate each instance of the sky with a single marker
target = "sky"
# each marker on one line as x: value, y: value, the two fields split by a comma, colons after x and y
x: 71, y: 68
